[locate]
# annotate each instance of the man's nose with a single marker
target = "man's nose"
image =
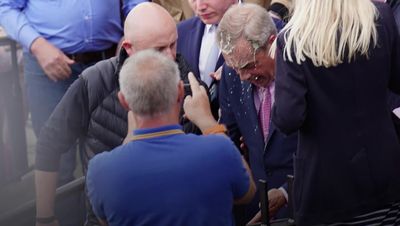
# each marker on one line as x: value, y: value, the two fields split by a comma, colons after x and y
x: 201, y: 5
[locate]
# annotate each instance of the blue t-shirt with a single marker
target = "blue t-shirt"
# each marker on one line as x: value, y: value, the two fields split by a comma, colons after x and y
x: 165, y: 177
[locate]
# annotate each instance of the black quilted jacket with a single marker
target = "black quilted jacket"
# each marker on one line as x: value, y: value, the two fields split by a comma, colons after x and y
x: 91, y: 113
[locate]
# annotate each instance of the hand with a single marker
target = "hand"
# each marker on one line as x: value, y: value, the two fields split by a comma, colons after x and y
x: 54, y: 63
x: 243, y: 148
x: 131, y: 127
x: 197, y: 107
x: 217, y: 75
x: 276, y: 200
x: 256, y: 219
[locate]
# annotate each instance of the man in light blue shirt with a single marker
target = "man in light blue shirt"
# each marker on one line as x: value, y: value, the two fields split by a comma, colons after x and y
x: 61, y: 38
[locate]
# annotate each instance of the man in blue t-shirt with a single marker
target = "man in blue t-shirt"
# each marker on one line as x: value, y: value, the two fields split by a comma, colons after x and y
x: 163, y: 176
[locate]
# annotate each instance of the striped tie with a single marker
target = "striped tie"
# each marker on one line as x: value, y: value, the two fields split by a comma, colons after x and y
x: 265, y: 112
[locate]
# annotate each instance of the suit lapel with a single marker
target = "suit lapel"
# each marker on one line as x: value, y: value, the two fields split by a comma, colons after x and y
x: 220, y: 62
x: 247, y: 96
x: 196, y: 38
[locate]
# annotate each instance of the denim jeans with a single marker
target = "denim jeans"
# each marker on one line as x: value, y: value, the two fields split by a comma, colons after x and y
x: 43, y: 96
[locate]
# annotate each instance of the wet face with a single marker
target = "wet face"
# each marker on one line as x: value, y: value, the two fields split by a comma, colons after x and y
x: 257, y: 67
x: 211, y: 11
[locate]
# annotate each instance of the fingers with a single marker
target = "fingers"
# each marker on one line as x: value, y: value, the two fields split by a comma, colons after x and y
x: 217, y: 74
x: 194, y: 84
x: 242, y: 144
x: 68, y: 60
x: 256, y: 218
x: 186, y: 102
x: 58, y: 69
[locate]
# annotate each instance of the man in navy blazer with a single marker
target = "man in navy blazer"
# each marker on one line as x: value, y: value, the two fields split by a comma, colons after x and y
x: 196, y: 43
x: 245, y: 43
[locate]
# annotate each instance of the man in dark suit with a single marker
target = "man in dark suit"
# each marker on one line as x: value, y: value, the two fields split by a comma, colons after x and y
x: 196, y: 42
x: 246, y: 98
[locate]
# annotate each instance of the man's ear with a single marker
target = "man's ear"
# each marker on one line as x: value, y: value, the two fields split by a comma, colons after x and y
x: 181, y: 92
x: 127, y: 45
x: 271, y: 39
x: 122, y: 101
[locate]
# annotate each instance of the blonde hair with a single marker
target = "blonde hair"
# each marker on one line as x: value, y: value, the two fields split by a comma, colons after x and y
x: 329, y: 31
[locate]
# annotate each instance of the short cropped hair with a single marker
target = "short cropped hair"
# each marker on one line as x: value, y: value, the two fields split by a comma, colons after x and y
x: 149, y: 82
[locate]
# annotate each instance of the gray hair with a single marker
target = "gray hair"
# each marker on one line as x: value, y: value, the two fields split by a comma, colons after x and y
x: 248, y: 21
x: 149, y: 82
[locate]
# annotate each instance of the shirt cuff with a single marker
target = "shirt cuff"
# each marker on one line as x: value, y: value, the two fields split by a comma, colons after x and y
x: 284, y: 193
x: 397, y: 112
x: 26, y: 36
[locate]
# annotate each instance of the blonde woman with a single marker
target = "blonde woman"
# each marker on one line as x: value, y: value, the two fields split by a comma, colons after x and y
x: 335, y: 62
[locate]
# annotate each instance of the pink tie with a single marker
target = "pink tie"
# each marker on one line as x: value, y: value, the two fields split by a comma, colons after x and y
x: 265, y: 112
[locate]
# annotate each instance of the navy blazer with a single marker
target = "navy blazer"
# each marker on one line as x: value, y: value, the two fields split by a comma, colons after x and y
x: 271, y: 161
x: 190, y: 35
x: 348, y: 160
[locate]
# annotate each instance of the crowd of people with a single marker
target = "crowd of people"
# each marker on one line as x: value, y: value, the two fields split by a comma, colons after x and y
x: 176, y: 122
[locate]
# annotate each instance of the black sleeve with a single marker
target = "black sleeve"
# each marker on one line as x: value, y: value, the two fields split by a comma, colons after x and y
x: 289, y: 111
x: 395, y: 72
x: 66, y: 124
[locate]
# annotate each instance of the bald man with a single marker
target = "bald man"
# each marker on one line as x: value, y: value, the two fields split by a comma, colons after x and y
x: 90, y: 112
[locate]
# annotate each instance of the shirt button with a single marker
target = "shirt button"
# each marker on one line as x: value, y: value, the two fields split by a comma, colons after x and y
x: 86, y: 40
x: 87, y: 17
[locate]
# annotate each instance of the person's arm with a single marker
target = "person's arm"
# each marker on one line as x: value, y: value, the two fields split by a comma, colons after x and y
x: 53, y: 61
x: 197, y: 109
x: 249, y: 195
x: 394, y: 83
x: 277, y: 198
x: 289, y: 110
x: 197, y: 106
x: 46, y: 185
x: 65, y: 125
x: 15, y: 23
x: 128, y: 5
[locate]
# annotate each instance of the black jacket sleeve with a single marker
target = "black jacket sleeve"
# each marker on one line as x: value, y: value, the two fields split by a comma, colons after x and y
x: 66, y: 124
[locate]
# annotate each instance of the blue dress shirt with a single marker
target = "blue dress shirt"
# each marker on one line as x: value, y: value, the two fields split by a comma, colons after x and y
x: 73, y: 26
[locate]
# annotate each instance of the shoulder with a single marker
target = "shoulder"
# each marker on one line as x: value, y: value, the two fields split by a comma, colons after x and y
x: 230, y: 78
x: 385, y: 13
x: 215, y: 143
x: 189, y: 23
x: 102, y: 163
x: 101, y: 79
x: 104, y: 69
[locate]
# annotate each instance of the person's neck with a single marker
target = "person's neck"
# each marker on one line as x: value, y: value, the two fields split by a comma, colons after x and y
x: 156, y: 121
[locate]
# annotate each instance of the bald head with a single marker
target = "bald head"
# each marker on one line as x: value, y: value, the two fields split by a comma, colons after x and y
x: 150, y: 26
